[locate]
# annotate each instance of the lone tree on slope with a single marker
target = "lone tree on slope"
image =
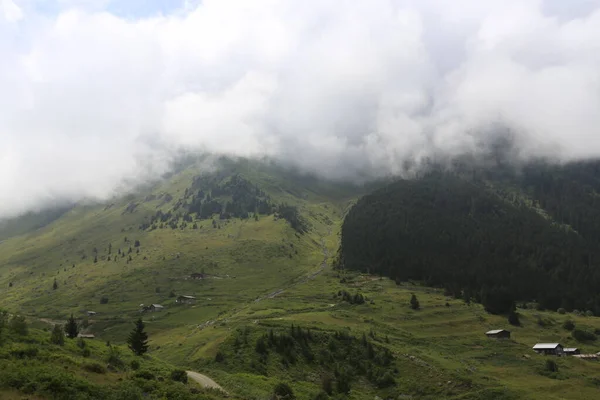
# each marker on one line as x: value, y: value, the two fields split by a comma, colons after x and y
x: 138, y: 339
x: 414, y: 303
x: 71, y: 328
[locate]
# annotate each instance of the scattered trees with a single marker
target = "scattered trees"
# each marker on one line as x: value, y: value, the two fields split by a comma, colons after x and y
x: 138, y: 339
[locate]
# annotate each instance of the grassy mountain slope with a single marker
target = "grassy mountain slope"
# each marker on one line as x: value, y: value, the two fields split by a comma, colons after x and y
x: 35, y: 367
x: 261, y: 276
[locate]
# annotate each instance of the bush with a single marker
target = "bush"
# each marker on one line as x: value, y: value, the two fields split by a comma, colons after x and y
x: 104, y: 300
x: 18, y: 325
x: 513, y: 319
x: 179, y: 375
x: 219, y: 357
x: 145, y: 374
x: 283, y: 391
x: 135, y: 365
x: 386, y: 380
x: 86, y: 352
x: 589, y: 313
x: 551, y: 366
x: 583, y: 336
x: 568, y: 325
x: 561, y: 311
x: 58, y: 335
x: 321, y: 396
x: 25, y: 352
x: 95, y: 368
x: 114, y: 358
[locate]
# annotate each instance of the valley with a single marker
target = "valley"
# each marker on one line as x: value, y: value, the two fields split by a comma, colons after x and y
x: 273, y: 301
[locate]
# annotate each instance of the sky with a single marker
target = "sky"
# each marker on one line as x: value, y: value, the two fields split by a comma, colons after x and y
x: 95, y: 94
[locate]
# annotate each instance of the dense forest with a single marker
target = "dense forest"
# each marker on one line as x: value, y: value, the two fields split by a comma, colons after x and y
x: 497, y: 236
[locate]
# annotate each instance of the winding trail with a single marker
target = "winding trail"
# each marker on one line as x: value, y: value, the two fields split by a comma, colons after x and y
x: 204, y: 381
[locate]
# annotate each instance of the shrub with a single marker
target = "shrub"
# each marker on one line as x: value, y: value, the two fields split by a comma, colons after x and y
x: 86, y: 352
x: 81, y: 343
x: 135, y: 365
x: 114, y: 358
x: 551, y: 366
x: 179, y: 375
x: 386, y: 380
x: 414, y: 303
x: 321, y: 396
x: 25, y: 352
x: 327, y: 384
x: 104, y: 300
x: 18, y: 325
x: 561, y: 311
x: 513, y: 319
x: 219, y: 357
x: 283, y: 391
x: 583, y: 336
x: 568, y: 325
x: 58, y: 335
x: 95, y: 368
x: 144, y: 374
x: 589, y: 313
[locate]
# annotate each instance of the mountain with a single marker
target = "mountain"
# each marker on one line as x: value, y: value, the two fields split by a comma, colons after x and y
x: 255, y: 243
x: 499, y: 235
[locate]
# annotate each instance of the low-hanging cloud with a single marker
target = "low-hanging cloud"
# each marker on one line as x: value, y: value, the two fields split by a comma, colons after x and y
x: 345, y: 89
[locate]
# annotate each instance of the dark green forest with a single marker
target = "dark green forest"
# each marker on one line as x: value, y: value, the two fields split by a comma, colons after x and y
x: 498, y: 236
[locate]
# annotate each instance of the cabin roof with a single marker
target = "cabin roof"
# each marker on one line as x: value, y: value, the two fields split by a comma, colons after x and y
x: 496, y: 331
x: 546, y: 346
x: 570, y: 349
x: 157, y: 306
x: 187, y: 297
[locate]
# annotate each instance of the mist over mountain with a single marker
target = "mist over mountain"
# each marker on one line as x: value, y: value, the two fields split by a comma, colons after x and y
x: 96, y: 96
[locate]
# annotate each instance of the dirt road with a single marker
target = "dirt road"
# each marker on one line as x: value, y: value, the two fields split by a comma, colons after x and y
x: 204, y: 380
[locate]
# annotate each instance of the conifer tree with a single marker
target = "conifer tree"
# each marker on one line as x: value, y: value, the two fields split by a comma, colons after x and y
x: 414, y: 303
x: 138, y: 339
x: 71, y: 328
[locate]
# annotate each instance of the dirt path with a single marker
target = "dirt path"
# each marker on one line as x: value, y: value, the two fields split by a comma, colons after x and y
x: 204, y: 380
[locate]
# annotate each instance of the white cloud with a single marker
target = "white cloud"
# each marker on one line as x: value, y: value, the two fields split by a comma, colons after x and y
x: 340, y: 88
x: 9, y: 11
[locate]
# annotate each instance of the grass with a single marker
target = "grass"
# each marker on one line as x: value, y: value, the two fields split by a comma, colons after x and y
x: 439, y: 351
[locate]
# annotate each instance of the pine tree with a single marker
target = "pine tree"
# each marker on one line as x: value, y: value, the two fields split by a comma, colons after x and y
x: 95, y: 259
x: 71, y: 328
x: 58, y: 335
x: 138, y: 339
x: 414, y: 303
x: 55, y: 285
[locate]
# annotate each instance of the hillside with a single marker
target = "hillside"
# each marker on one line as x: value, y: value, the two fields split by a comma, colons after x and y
x: 255, y: 245
x: 81, y: 369
x: 499, y: 237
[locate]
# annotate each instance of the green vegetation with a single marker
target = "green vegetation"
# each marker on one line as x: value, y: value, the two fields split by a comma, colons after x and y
x: 472, y: 237
x: 40, y: 368
x: 274, y: 315
x: 138, y: 339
